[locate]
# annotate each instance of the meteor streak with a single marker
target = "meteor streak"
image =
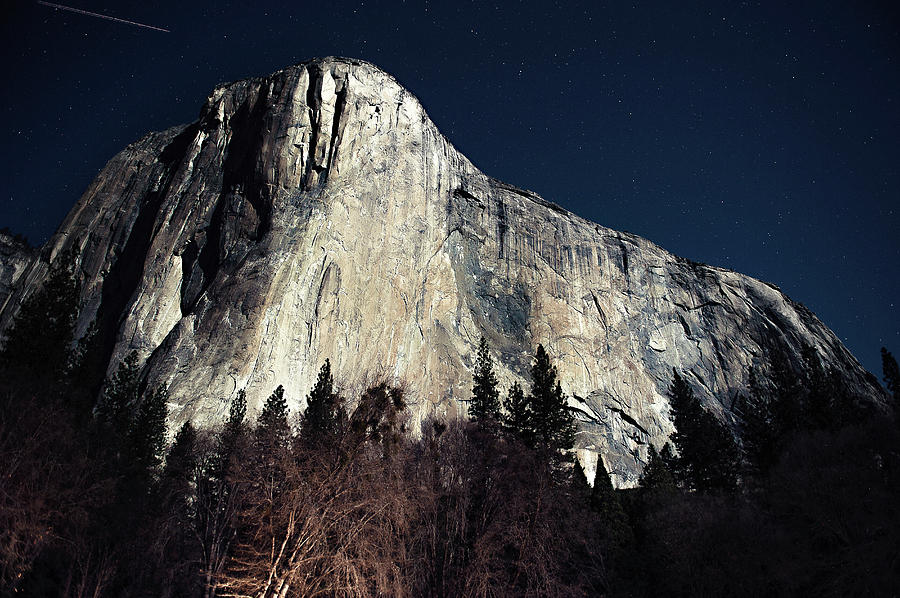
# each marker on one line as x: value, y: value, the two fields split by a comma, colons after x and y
x: 107, y: 17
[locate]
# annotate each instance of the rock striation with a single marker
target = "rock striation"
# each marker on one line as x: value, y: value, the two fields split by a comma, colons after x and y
x: 15, y: 257
x: 319, y: 213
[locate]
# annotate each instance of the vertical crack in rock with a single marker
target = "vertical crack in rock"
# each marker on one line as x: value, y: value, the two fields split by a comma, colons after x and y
x: 502, y: 227
x: 313, y: 104
x: 684, y: 326
x: 624, y: 254
x: 331, y: 276
x: 600, y: 313
x: 340, y: 103
x: 191, y: 277
x: 240, y: 173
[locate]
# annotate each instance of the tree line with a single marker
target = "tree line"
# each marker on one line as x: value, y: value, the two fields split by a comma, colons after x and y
x: 347, y: 499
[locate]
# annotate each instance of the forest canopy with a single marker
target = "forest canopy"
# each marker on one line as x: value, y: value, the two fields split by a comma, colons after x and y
x: 348, y: 497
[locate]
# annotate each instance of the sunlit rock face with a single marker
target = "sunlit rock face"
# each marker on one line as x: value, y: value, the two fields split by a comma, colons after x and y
x: 319, y: 213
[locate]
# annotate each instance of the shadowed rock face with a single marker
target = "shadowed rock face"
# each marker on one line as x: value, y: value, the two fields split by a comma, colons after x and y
x: 318, y: 213
x: 15, y: 257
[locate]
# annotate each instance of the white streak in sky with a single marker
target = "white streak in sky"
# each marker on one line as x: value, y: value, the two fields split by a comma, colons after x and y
x: 107, y: 17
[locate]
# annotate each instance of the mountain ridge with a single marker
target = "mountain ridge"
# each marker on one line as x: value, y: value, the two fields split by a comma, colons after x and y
x: 318, y: 212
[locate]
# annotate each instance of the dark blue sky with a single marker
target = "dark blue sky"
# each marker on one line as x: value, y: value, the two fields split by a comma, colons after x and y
x: 753, y: 136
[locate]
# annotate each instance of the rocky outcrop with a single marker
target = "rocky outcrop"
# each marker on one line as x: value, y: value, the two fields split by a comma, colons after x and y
x: 318, y: 213
x: 15, y: 257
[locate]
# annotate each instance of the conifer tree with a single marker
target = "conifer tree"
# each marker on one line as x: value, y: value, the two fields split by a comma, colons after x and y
x: 580, y: 486
x: 606, y: 503
x: 826, y: 404
x: 603, y: 491
x: 786, y: 394
x: 484, y: 407
x: 518, y: 414
x: 322, y: 419
x: 218, y: 494
x: 272, y: 425
x: 86, y: 372
x: 668, y: 456
x: 707, y: 457
x: 237, y: 410
x: 181, y: 458
x: 552, y: 422
x: 38, y: 344
x: 758, y: 425
x: 229, y: 440
x: 147, y: 434
x: 116, y: 406
x: 657, y: 476
x: 177, y: 522
x: 179, y: 472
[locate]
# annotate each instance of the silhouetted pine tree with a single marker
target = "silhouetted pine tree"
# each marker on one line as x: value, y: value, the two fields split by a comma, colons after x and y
x: 86, y: 373
x: 177, y: 524
x: 115, y: 408
x: 324, y: 414
x: 827, y: 404
x: 686, y: 414
x: 759, y: 431
x: 181, y: 460
x: 657, y: 476
x: 552, y: 423
x: 707, y: 457
x: 232, y: 436
x: 786, y: 394
x: 219, y: 493
x: 484, y: 408
x: 580, y: 486
x: 38, y: 344
x: 147, y: 433
x: 234, y: 425
x: 272, y: 427
x: 518, y: 415
x: 613, y: 519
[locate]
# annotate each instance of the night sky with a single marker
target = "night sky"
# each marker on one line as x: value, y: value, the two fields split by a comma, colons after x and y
x: 751, y: 136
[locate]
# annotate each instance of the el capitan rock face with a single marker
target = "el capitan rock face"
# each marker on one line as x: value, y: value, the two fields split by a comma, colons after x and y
x: 318, y: 213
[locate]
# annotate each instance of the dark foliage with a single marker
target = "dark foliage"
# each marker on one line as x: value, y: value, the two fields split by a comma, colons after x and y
x: 147, y: 432
x: 760, y: 429
x: 707, y: 458
x: 484, y: 407
x: 354, y: 504
x: 542, y: 419
x: 324, y: 417
x: 181, y: 460
x: 616, y: 537
x: 657, y: 476
x: 786, y: 394
x: 826, y: 404
x: 552, y: 423
x: 38, y: 344
x: 272, y: 427
x: 120, y: 394
x: 518, y: 415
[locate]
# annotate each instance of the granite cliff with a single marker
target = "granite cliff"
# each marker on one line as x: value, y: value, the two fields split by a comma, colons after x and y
x: 15, y: 257
x: 319, y: 213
